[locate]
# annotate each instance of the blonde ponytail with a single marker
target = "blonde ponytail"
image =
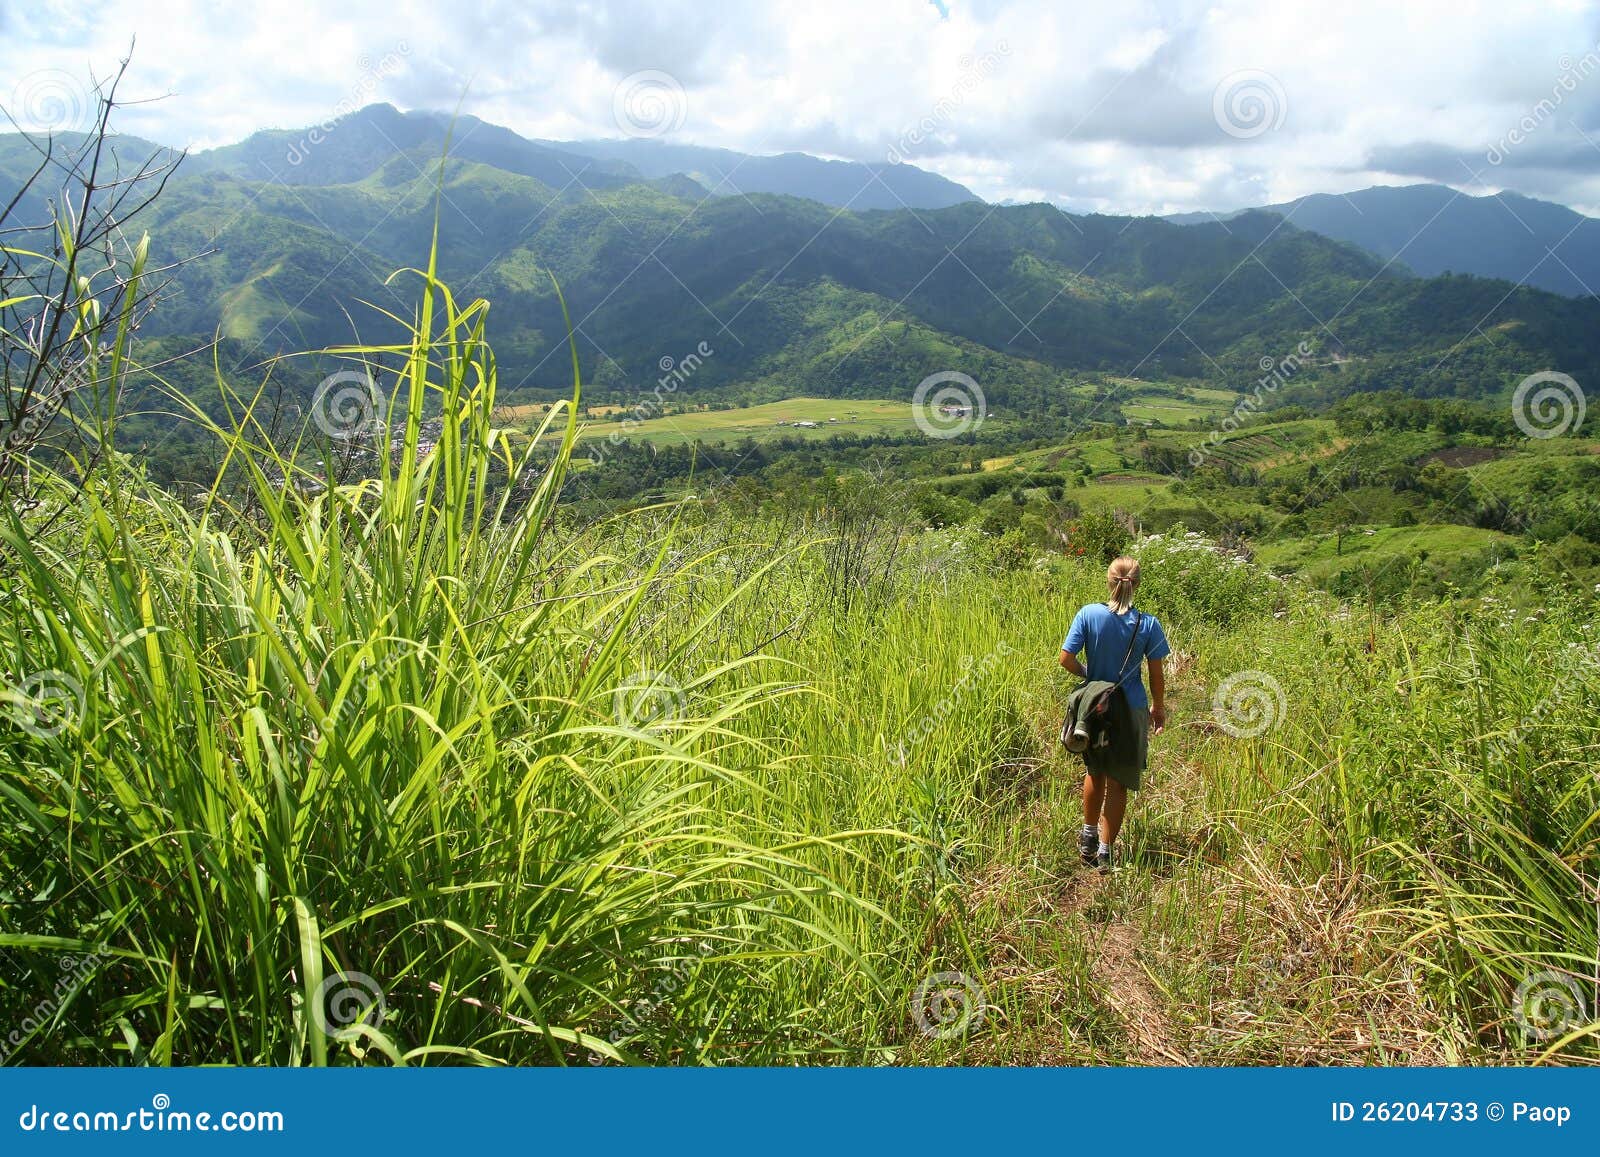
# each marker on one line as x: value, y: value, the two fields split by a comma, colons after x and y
x: 1122, y: 579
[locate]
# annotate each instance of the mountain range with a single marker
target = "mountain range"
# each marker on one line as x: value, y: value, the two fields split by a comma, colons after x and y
x: 368, y: 138
x: 1433, y: 229
x: 296, y: 230
x: 723, y: 172
x: 1428, y: 229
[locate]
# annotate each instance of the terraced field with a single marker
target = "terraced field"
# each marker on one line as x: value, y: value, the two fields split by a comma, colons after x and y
x: 1273, y: 444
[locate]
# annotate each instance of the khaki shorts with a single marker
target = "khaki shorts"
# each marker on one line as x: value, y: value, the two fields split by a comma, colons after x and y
x: 1130, y: 776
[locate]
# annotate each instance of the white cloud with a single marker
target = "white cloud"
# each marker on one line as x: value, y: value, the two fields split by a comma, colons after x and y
x: 1097, y: 106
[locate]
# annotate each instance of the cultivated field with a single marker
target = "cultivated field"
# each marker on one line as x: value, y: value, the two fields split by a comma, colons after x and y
x: 768, y: 422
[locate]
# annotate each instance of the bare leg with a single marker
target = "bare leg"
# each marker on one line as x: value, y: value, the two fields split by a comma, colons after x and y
x: 1094, y: 791
x: 1116, y: 803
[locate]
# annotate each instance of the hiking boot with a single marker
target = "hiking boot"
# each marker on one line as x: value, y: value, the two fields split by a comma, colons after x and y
x: 1088, y: 845
x: 1102, y: 863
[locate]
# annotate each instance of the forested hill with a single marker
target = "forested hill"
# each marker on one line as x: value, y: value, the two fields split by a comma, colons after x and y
x: 794, y: 296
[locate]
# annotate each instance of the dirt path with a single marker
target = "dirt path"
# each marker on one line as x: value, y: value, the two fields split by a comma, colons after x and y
x: 1130, y: 990
x: 1211, y: 944
x: 1064, y: 944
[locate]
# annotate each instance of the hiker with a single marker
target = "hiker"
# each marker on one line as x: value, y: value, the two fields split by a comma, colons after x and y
x: 1113, y: 731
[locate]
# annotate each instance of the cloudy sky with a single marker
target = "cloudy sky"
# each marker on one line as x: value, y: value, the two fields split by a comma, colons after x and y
x: 1116, y: 107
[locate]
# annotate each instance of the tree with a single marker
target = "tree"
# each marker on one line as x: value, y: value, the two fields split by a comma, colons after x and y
x: 73, y: 290
x: 1100, y: 536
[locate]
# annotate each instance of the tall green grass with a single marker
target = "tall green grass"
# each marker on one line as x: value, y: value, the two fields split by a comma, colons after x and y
x: 1419, y: 824
x: 409, y: 770
x: 375, y: 733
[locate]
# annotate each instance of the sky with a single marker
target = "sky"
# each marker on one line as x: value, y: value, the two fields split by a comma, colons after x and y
x: 1125, y: 107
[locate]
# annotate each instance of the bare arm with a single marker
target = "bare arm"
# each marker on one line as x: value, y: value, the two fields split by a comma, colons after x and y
x: 1158, y: 695
x: 1070, y: 662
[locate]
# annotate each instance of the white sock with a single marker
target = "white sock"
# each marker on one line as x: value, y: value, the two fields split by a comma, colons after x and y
x: 1105, y: 848
x: 1089, y: 829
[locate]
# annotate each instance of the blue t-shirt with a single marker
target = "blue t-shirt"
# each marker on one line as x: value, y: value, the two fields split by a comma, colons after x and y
x: 1105, y: 635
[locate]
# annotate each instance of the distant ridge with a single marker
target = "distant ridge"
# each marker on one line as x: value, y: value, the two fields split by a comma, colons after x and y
x: 844, y: 184
x: 1433, y: 229
x: 356, y: 146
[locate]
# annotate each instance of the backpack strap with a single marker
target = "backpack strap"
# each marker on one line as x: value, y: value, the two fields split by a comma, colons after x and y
x: 1122, y: 671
